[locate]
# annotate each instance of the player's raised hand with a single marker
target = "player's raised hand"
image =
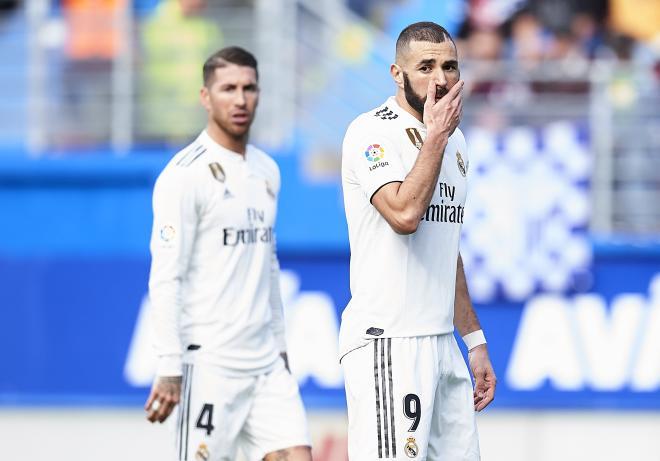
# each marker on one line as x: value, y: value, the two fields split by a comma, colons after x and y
x: 165, y: 394
x: 443, y: 115
x: 484, y: 377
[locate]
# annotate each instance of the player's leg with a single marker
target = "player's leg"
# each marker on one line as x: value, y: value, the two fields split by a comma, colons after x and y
x: 276, y: 427
x: 454, y: 428
x: 390, y: 387
x: 212, y: 411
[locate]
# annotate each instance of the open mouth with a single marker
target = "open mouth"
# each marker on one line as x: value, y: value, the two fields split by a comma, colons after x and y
x: 240, y: 119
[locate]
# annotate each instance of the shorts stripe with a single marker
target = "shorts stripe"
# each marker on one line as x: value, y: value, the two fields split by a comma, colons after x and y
x: 376, y: 383
x: 182, y: 410
x: 190, y: 375
x: 384, y: 388
x: 391, y: 390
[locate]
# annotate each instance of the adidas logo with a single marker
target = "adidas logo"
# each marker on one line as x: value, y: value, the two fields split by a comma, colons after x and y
x: 386, y: 114
x: 228, y: 194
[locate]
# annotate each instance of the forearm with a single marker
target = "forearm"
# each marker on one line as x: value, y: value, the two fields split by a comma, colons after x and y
x: 465, y: 318
x: 403, y: 204
x: 417, y: 189
x: 166, y: 308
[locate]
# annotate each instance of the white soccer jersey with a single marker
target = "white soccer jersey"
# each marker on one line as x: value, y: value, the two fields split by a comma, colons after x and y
x: 401, y: 285
x: 214, y: 275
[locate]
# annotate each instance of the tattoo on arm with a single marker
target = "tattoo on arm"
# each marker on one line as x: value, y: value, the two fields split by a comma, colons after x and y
x: 170, y: 384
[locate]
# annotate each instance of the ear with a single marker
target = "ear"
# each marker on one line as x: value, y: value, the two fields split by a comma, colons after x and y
x: 204, y: 98
x: 397, y: 74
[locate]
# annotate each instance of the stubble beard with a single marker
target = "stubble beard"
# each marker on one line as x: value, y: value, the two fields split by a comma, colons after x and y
x: 226, y: 127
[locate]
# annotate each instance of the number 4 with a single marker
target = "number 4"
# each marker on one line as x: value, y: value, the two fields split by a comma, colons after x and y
x: 207, y: 412
x: 412, y: 409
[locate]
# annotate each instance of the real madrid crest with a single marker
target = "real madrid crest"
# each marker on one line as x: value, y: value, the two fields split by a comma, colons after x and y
x: 202, y: 453
x: 217, y: 171
x: 411, y: 448
x: 415, y: 137
x: 461, y: 165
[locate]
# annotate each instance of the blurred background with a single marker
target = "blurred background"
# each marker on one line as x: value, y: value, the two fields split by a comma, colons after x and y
x: 562, y: 229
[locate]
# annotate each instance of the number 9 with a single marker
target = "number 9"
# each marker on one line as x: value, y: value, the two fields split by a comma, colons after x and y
x: 412, y: 409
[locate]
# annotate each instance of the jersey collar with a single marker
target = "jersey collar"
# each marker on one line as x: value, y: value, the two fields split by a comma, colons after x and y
x: 225, y: 153
x: 404, y: 114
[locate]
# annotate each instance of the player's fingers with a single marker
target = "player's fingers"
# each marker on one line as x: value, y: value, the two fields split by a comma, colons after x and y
x: 154, y: 408
x: 430, y: 94
x: 485, y: 394
x: 150, y: 400
x: 168, y: 405
x: 485, y: 401
x: 454, y: 91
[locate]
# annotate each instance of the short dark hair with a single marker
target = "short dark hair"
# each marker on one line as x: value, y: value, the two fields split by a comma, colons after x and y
x: 421, y: 32
x: 229, y: 55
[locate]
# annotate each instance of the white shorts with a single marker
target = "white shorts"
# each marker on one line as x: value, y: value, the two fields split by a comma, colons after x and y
x: 218, y: 414
x: 410, y: 398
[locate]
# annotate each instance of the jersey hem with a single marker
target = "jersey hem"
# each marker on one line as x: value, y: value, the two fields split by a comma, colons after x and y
x: 366, y: 341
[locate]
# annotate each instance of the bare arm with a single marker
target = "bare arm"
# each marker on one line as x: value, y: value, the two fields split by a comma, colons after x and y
x: 403, y: 204
x: 466, y: 321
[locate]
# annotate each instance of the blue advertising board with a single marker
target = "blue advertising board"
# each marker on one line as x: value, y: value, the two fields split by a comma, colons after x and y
x: 74, y: 323
x: 71, y: 332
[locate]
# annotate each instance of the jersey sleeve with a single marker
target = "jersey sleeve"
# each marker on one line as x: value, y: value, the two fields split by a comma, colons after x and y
x: 173, y: 233
x: 372, y: 159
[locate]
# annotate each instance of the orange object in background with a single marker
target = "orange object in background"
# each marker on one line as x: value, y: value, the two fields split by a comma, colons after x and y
x: 92, y: 28
x: 639, y: 19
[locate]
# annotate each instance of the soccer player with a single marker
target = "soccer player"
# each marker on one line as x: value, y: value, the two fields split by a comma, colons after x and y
x: 404, y: 173
x: 214, y: 286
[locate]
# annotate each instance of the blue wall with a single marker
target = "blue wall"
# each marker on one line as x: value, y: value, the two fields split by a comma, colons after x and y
x: 74, y: 266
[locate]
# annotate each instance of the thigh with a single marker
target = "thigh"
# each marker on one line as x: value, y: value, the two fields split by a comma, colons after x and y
x: 453, y: 429
x: 277, y: 417
x: 212, y: 411
x: 390, y: 392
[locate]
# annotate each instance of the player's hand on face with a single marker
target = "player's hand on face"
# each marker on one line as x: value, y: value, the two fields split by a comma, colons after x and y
x: 165, y: 394
x: 484, y: 377
x: 444, y: 115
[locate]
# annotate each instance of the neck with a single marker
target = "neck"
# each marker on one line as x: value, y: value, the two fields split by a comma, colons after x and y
x: 236, y: 144
x: 403, y: 103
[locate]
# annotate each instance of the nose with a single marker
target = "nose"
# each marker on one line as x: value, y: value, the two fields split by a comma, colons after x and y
x: 240, y: 99
x: 440, y: 78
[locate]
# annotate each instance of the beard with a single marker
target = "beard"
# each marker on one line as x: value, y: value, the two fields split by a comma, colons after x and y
x: 414, y: 100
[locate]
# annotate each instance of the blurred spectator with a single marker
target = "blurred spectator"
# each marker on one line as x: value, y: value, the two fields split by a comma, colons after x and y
x: 528, y: 41
x: 176, y: 40
x: 588, y: 33
x: 13, y: 78
x: 93, y: 39
x: 7, y: 7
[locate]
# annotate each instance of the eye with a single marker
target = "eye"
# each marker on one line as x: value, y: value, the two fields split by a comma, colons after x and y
x: 425, y: 69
